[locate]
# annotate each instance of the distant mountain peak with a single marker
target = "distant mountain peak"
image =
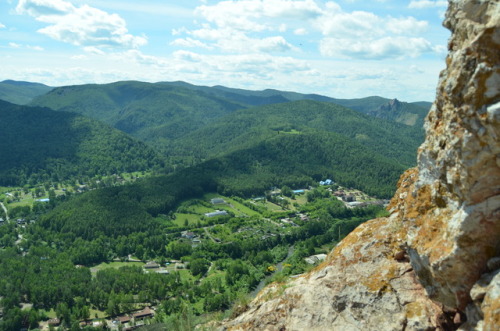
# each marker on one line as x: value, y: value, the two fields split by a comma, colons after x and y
x: 391, y: 106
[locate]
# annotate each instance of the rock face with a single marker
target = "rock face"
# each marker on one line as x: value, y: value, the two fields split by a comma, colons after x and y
x: 434, y: 263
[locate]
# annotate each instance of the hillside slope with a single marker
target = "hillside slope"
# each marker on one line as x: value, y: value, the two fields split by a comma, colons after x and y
x: 245, y: 128
x: 434, y: 263
x: 39, y: 144
x: 153, y: 113
x: 21, y: 93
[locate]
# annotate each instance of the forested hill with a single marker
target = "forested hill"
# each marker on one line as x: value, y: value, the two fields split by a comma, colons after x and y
x: 411, y: 114
x: 248, y: 127
x: 21, y: 93
x: 151, y: 112
x: 39, y: 144
x: 296, y: 160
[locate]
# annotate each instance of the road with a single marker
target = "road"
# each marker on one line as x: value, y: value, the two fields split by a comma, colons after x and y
x: 5, y: 210
x: 279, y: 267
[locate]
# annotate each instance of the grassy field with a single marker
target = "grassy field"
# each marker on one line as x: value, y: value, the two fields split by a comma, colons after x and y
x: 242, y: 208
x: 180, y: 218
x: 114, y: 265
x: 270, y: 206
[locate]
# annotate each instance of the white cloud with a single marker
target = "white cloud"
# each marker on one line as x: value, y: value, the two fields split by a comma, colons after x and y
x: 365, y: 35
x: 81, y: 26
x: 93, y: 50
x: 79, y: 57
x: 235, y: 41
x: 361, y: 24
x: 408, y: 25
x: 272, y: 44
x: 300, y: 32
x: 140, y: 58
x: 387, y: 47
x: 189, y: 42
x: 244, y: 27
x: 35, y: 48
x: 243, y: 14
x: 419, y: 4
x: 18, y: 46
x: 2, y: 26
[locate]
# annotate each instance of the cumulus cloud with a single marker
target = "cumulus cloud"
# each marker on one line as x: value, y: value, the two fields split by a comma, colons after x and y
x: 365, y: 35
x: 2, y: 26
x: 361, y: 24
x: 419, y: 4
x: 233, y: 41
x: 383, y: 48
x: 248, y: 26
x: 83, y: 26
x: 189, y: 42
x: 408, y: 25
x: 244, y: 26
x: 242, y: 14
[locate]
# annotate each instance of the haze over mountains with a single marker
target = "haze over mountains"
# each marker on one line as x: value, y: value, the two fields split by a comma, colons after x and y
x: 188, y: 124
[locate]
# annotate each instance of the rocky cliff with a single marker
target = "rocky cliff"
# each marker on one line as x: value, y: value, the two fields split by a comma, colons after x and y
x: 434, y: 264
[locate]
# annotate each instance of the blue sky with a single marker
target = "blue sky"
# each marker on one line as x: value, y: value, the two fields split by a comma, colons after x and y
x: 343, y: 49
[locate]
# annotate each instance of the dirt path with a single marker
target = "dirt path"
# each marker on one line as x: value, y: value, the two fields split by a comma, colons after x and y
x: 209, y: 235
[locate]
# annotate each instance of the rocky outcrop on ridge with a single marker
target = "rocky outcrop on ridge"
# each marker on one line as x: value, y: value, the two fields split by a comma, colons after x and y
x: 434, y: 264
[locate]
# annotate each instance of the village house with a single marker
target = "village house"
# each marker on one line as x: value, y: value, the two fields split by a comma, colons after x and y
x: 151, y: 265
x: 54, y: 322
x: 216, y: 213
x: 349, y: 198
x: 124, y: 319
x: 216, y: 201
x: 303, y: 217
x: 188, y: 235
x: 145, y: 313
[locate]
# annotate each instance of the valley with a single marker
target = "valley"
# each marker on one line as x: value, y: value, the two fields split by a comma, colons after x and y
x: 183, y: 199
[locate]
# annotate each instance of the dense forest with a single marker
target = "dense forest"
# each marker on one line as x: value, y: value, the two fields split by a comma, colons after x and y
x: 40, y: 145
x: 244, y: 128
